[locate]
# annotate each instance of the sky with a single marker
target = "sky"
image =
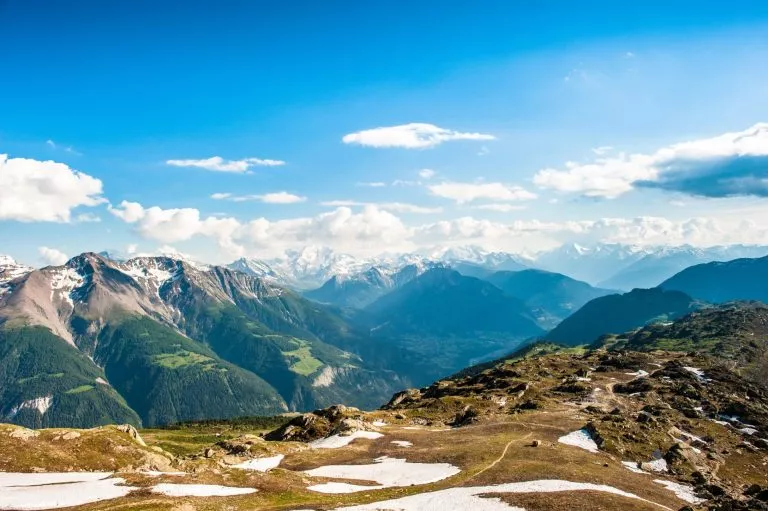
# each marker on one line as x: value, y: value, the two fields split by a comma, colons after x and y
x: 237, y: 128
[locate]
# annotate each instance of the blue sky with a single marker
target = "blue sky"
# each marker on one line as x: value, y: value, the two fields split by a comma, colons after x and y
x: 503, y: 95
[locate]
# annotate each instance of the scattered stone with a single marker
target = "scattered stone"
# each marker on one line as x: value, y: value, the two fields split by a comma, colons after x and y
x: 536, y: 443
x: 24, y: 433
x: 209, y: 453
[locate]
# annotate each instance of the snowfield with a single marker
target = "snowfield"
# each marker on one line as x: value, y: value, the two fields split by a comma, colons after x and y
x: 337, y: 441
x: 580, y: 438
x: 28, y: 492
x: 388, y: 472
x: 682, y: 491
x: 464, y: 499
x: 261, y: 464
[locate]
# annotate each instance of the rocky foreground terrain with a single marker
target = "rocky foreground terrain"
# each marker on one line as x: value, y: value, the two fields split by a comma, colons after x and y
x: 565, y: 430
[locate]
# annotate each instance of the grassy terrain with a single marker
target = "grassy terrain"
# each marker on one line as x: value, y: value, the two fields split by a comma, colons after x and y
x: 303, y: 362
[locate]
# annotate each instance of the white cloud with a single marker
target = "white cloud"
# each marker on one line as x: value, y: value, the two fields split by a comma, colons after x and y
x: 716, y: 166
x: 410, y: 136
x: 427, y: 173
x: 483, y: 151
x: 502, y: 208
x: 44, y: 191
x: 87, y: 218
x: 405, y: 182
x: 373, y: 230
x: 269, y: 198
x: 372, y: 184
x: 397, y: 207
x: 173, y: 225
x: 68, y: 149
x: 52, y: 257
x: 468, y: 192
x: 281, y: 198
x: 219, y: 164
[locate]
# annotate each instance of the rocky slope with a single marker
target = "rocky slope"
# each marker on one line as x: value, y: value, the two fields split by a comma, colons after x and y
x: 558, y: 431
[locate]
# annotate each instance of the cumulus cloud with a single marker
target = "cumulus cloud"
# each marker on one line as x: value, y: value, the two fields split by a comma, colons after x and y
x: 219, y: 164
x: 468, y: 192
x: 374, y: 229
x: 410, y: 136
x: 44, y: 191
x: 397, y: 207
x: 52, y: 257
x: 732, y: 164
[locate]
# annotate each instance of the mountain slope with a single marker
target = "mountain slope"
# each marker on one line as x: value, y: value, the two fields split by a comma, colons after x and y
x: 736, y: 333
x: 663, y: 263
x: 551, y: 296
x: 187, y: 328
x: 740, y: 279
x: 361, y: 289
x: 444, y: 301
x: 46, y: 382
x: 620, y: 313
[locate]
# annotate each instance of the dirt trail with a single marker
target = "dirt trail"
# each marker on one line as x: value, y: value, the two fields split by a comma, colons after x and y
x: 501, y: 457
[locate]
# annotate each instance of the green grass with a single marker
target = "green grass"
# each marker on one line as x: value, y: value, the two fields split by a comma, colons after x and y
x: 80, y: 389
x: 32, y: 378
x: 303, y: 361
x: 182, y: 358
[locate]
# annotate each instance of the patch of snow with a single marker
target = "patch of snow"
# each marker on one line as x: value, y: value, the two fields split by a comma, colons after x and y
x: 157, y: 473
x: 199, y: 490
x: 638, y: 374
x: 261, y: 464
x: 659, y: 465
x: 9, y: 479
x: 462, y: 499
x: 41, y: 404
x: 698, y: 372
x: 582, y: 378
x: 101, y: 381
x: 387, y: 472
x: 29, y: 492
x: 402, y: 443
x: 65, y: 280
x: 337, y: 441
x: 682, y: 491
x: 580, y: 438
x: 748, y: 431
x: 634, y: 467
x: 692, y: 437
x: 379, y: 423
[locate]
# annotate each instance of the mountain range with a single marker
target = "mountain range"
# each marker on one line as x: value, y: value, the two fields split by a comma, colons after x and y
x: 153, y: 340
x: 605, y: 265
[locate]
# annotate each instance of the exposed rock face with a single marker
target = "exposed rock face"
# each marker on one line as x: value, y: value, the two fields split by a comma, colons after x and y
x: 24, y: 433
x: 131, y: 432
x: 334, y: 420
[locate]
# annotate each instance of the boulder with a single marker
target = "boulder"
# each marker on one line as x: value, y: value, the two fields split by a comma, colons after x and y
x: 131, y: 432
